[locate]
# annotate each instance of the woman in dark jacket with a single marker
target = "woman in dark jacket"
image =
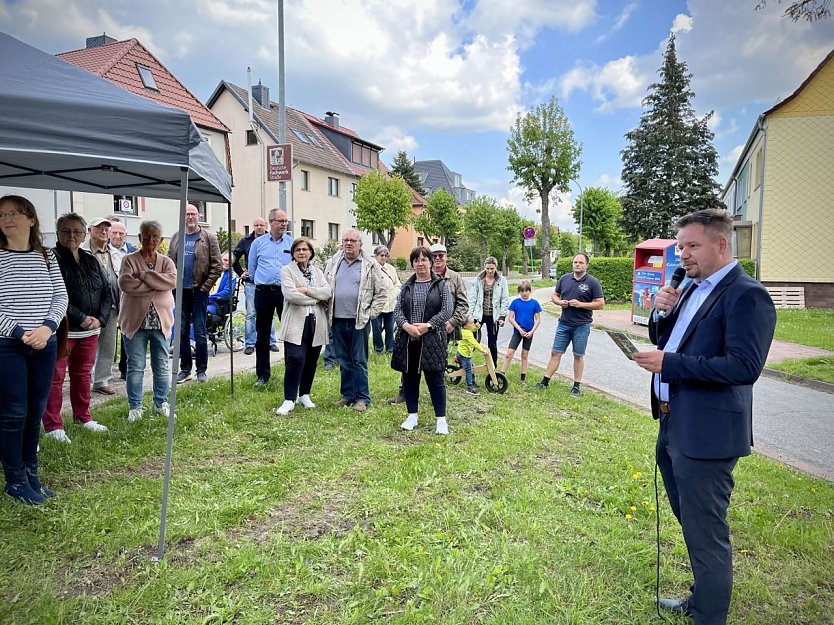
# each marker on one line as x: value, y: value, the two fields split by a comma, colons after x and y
x: 90, y: 303
x: 423, y: 308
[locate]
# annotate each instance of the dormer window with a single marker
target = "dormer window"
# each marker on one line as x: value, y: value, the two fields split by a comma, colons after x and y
x: 146, y: 75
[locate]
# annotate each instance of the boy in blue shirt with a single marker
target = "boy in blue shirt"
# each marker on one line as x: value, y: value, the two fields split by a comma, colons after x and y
x: 524, y: 315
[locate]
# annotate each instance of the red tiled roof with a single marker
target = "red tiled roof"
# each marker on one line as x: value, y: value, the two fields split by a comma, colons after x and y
x: 117, y: 63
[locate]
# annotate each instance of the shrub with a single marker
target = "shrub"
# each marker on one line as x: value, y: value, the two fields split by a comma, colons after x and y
x: 749, y: 266
x: 401, y: 262
x: 614, y: 274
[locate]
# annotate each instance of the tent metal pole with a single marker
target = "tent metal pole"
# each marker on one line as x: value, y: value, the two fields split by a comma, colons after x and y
x: 231, y: 299
x: 175, y: 366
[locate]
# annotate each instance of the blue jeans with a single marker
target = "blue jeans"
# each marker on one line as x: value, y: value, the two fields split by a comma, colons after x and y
x: 578, y: 335
x: 136, y: 350
x: 251, y: 333
x: 27, y: 376
x: 466, y: 365
x: 383, y: 323
x: 351, y: 349
x: 194, y: 310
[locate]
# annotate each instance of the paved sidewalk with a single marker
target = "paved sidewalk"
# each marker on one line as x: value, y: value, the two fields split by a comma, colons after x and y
x: 621, y: 320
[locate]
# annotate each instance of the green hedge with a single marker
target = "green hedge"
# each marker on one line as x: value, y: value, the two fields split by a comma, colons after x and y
x: 616, y: 274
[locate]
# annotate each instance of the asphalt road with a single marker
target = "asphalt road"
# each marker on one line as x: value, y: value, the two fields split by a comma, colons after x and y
x: 791, y: 423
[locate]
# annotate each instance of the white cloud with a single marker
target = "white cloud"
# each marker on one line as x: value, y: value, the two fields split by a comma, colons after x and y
x: 620, y: 21
x: 527, y: 17
x: 620, y: 83
x: 606, y: 181
x: 681, y: 23
x: 729, y: 160
x: 395, y: 139
x: 231, y: 13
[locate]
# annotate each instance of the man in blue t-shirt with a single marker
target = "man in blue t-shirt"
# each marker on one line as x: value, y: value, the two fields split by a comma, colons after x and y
x: 578, y: 294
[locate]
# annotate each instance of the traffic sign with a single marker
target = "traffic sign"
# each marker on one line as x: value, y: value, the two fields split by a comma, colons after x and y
x: 529, y: 233
x: 279, y: 162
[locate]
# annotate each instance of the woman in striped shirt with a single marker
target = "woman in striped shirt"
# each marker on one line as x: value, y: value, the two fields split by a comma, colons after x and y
x: 33, y: 300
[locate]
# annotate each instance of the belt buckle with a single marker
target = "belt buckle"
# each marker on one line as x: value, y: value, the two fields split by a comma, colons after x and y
x: 664, y: 408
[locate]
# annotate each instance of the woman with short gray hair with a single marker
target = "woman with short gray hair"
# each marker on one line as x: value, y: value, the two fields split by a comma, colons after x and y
x: 385, y: 321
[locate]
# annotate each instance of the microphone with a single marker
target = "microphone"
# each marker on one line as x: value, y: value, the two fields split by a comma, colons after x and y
x: 677, y: 278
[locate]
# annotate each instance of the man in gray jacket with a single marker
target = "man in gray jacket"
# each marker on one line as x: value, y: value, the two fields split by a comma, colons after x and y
x: 359, y: 294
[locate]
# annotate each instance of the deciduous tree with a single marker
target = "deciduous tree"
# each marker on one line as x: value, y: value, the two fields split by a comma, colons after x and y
x: 479, y: 222
x: 506, y: 234
x: 440, y: 218
x: 544, y: 158
x: 810, y: 10
x: 601, y: 215
x: 669, y: 163
x: 383, y: 204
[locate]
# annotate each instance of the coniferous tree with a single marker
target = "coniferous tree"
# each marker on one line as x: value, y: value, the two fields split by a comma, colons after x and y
x: 404, y: 168
x: 669, y: 163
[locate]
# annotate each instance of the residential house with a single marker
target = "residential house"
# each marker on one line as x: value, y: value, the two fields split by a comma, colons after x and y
x: 781, y: 191
x: 406, y: 239
x: 435, y: 175
x: 131, y: 66
x: 328, y: 160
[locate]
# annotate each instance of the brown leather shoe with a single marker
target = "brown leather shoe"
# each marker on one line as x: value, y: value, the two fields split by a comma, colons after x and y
x: 343, y: 402
x: 360, y: 406
x: 399, y: 399
x: 105, y: 390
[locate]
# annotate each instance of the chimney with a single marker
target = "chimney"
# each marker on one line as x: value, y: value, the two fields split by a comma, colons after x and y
x: 261, y: 94
x: 100, y: 40
x: 332, y: 118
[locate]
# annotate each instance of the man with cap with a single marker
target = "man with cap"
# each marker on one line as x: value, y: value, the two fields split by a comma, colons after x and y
x: 461, y: 302
x: 98, y: 244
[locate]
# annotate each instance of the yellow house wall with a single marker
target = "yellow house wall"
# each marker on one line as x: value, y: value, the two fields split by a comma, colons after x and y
x: 798, y: 217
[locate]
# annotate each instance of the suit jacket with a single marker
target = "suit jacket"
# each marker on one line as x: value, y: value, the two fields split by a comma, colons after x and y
x: 712, y: 373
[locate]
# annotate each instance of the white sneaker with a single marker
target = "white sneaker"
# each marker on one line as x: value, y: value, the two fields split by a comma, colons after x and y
x: 135, y: 414
x: 94, y: 426
x: 442, y: 426
x: 58, y: 435
x: 410, y: 423
x: 305, y: 401
x: 163, y: 409
x: 286, y: 407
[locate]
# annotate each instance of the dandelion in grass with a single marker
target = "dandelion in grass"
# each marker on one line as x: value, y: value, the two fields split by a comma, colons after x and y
x: 634, y: 508
x: 636, y: 476
x: 628, y: 517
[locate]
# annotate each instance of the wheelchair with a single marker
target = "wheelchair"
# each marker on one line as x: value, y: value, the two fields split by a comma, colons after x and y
x: 227, y: 324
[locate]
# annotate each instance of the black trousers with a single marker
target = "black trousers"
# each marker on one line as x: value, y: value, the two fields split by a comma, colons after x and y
x: 699, y: 492
x: 300, y: 362
x: 268, y: 300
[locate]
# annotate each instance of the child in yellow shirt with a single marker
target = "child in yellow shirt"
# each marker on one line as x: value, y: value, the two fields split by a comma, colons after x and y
x: 466, y: 347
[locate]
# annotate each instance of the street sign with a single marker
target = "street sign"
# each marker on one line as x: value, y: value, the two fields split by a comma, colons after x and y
x: 529, y: 242
x: 529, y: 233
x: 279, y: 162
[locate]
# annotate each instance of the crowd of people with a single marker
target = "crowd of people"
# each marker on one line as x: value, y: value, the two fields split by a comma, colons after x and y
x: 95, y: 283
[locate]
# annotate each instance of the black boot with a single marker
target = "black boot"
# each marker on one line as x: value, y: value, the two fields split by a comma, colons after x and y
x: 35, y: 482
x: 17, y: 486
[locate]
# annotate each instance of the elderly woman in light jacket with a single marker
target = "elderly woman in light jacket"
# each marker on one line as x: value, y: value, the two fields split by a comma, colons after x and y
x: 489, y: 300
x: 385, y: 321
x: 146, y: 316
x: 304, y: 327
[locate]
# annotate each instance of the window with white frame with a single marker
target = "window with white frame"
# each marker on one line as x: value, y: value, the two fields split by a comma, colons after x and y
x: 307, y: 228
x: 251, y: 138
x: 333, y: 231
x: 333, y: 187
x: 305, y: 180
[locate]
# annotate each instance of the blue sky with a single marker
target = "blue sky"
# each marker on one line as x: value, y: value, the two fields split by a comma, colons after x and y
x: 444, y: 79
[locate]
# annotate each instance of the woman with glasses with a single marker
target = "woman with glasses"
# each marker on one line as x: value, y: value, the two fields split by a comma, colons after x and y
x: 90, y: 303
x: 146, y: 316
x: 304, y: 326
x: 33, y: 301
x: 385, y: 321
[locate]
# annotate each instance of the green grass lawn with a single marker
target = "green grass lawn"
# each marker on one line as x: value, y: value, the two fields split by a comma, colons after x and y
x: 538, y: 508
x: 813, y: 327
x: 818, y: 368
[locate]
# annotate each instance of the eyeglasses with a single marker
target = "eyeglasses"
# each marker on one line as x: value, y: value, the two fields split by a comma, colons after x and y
x: 9, y: 215
x: 350, y: 240
x: 383, y: 254
x: 439, y: 255
x: 72, y: 233
x: 280, y: 221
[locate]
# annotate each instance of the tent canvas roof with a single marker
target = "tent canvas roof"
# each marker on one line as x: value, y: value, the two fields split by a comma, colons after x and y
x: 64, y: 128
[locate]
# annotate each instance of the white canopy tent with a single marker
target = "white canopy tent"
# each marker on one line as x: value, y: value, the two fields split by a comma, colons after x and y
x: 64, y: 128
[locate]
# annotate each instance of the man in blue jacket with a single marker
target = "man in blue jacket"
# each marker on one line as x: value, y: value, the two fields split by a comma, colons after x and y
x: 713, y: 336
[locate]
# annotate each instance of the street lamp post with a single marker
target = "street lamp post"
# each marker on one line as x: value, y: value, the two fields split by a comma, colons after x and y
x: 581, y: 209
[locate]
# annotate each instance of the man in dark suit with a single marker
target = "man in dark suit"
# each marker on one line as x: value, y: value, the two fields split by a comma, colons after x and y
x: 712, y: 339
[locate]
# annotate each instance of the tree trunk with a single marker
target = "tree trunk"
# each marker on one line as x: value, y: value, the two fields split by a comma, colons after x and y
x: 545, y: 197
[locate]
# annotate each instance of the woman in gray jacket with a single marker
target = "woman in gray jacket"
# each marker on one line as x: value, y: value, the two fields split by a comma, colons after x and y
x: 489, y: 300
x: 304, y: 327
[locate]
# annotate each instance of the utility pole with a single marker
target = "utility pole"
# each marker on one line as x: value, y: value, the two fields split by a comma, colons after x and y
x: 282, y: 111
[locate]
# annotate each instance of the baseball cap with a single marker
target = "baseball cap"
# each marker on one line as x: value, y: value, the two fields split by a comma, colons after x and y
x: 437, y: 247
x: 99, y: 222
